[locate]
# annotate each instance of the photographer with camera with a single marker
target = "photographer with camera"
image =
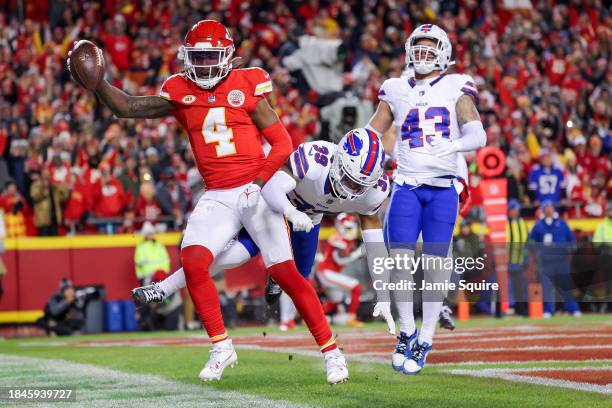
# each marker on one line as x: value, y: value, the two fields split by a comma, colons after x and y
x: 65, y: 311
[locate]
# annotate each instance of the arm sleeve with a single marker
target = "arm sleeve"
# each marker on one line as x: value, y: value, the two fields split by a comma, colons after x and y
x: 462, y: 168
x: 279, y: 139
x: 376, y: 252
x: 473, y: 136
x: 276, y: 189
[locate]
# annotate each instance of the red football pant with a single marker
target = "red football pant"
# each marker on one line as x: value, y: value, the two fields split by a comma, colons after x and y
x: 306, y: 302
x: 355, y: 295
x: 196, y: 261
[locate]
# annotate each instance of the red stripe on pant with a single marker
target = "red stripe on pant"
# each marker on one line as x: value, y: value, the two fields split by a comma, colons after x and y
x: 355, y: 295
x: 196, y: 261
x: 306, y: 302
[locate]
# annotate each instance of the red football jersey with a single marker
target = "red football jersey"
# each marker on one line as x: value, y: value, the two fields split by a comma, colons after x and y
x: 340, y: 244
x: 226, y: 143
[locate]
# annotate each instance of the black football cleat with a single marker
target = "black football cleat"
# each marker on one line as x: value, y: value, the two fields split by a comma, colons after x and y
x: 446, y: 320
x: 145, y: 295
x: 273, y: 291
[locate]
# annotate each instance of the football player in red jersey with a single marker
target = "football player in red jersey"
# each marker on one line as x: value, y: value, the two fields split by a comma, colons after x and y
x: 225, y: 112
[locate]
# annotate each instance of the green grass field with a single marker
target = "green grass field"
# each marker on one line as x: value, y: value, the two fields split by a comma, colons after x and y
x: 167, y: 375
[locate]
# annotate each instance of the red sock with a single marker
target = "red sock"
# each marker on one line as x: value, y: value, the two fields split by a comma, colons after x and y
x: 196, y: 261
x: 306, y: 302
x: 355, y: 295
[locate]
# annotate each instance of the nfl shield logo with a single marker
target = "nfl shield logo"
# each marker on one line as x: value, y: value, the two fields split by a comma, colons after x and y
x: 211, y: 98
x: 421, y: 93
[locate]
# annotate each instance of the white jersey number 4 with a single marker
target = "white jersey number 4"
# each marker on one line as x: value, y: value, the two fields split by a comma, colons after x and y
x: 215, y: 130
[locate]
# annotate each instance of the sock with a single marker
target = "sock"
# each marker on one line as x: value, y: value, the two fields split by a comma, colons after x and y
x: 306, y: 302
x: 173, y: 283
x: 355, y: 295
x: 434, y: 272
x: 287, y: 308
x: 403, y: 299
x: 196, y: 261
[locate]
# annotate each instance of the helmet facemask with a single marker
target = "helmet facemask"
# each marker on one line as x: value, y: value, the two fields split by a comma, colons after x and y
x: 426, y: 58
x: 206, y: 66
x: 343, y: 184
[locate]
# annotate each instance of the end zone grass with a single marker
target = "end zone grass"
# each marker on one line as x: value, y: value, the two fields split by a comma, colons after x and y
x: 301, y: 379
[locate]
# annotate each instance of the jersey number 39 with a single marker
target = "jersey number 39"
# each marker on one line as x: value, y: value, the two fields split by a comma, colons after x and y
x: 215, y: 130
x: 412, y: 128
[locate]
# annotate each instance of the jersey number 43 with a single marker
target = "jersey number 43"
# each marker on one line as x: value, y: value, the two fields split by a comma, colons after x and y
x: 216, y: 131
x: 412, y: 128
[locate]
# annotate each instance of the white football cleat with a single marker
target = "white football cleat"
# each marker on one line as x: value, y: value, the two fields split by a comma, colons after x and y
x: 402, y: 349
x: 335, y: 364
x: 221, y: 356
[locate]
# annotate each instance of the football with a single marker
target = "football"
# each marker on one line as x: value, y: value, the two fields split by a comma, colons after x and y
x: 86, y: 64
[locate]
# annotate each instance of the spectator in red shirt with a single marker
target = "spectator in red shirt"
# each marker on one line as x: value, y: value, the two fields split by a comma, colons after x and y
x: 110, y: 196
x: 118, y: 44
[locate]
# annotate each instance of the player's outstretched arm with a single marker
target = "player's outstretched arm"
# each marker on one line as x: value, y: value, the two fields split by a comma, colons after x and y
x: 272, y: 129
x: 275, y: 193
x: 372, y: 234
x: 127, y: 106
x: 382, y: 119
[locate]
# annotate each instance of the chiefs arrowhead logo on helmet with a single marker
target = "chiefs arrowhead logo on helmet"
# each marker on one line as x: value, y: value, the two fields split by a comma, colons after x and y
x: 207, y: 53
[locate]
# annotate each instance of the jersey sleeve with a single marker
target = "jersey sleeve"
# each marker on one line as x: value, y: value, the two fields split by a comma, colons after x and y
x: 468, y: 86
x: 173, y: 89
x: 375, y: 197
x: 310, y: 159
x: 387, y: 89
x: 260, y: 85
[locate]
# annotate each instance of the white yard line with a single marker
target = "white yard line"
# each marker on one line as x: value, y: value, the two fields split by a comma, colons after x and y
x: 104, y: 387
x: 508, y: 374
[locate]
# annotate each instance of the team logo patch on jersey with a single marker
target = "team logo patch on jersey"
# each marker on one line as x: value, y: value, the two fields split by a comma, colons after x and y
x: 235, y: 98
x: 188, y: 99
x: 353, y: 145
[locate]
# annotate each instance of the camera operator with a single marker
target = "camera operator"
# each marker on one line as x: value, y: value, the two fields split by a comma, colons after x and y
x: 65, y: 311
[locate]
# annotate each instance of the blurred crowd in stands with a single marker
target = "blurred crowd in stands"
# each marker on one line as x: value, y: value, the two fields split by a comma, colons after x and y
x: 67, y: 165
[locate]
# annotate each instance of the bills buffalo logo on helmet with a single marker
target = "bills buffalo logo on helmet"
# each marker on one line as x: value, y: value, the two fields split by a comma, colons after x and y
x: 353, y: 145
x: 235, y: 98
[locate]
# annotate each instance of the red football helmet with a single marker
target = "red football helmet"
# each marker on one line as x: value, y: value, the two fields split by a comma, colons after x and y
x: 347, y: 226
x: 207, y: 53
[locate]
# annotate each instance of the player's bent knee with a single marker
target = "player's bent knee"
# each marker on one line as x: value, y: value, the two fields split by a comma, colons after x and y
x: 196, y: 261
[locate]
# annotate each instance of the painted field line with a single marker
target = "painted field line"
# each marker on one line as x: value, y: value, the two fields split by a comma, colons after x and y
x: 104, y: 387
x: 508, y: 374
x: 529, y: 337
x: 528, y: 348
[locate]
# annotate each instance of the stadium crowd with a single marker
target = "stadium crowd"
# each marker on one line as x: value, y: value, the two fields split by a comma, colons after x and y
x: 66, y: 164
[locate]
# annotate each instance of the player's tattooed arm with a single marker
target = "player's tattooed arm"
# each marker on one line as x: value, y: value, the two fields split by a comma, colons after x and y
x: 466, y: 110
x: 127, y: 106
x: 382, y: 119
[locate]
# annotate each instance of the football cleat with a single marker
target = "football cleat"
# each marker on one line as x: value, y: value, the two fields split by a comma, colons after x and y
x: 221, y: 356
x: 446, y: 320
x: 414, y: 364
x: 353, y: 322
x: 288, y: 325
x: 273, y: 291
x: 335, y: 364
x: 145, y: 295
x: 404, y: 345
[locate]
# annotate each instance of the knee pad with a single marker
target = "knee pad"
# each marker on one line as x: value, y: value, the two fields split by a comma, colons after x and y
x: 196, y: 261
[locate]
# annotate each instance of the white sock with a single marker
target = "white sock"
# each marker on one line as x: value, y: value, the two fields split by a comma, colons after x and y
x: 287, y: 308
x: 434, y: 271
x: 404, y: 299
x: 173, y: 283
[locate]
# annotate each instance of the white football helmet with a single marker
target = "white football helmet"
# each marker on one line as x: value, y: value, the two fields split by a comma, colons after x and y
x: 357, y: 164
x: 429, y: 58
x: 347, y: 226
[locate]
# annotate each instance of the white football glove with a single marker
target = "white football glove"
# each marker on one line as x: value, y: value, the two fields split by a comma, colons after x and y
x: 299, y: 220
x: 441, y: 146
x: 384, y: 309
x: 249, y: 197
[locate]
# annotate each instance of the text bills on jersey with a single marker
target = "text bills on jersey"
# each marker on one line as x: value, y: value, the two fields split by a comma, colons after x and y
x: 422, y: 109
x: 310, y: 164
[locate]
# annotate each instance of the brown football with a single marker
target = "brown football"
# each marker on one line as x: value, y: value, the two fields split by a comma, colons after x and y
x: 86, y: 64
